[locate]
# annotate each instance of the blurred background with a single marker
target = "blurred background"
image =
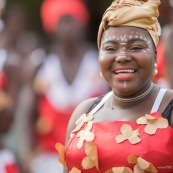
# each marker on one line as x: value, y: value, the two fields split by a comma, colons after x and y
x: 96, y: 9
x: 48, y: 65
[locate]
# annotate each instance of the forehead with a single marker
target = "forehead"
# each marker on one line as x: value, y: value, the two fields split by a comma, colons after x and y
x: 125, y: 33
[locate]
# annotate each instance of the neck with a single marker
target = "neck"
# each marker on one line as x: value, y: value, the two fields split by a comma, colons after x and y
x: 67, y: 51
x: 133, y: 100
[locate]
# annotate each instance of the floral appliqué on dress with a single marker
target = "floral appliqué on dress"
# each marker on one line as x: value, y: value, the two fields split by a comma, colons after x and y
x: 91, y: 160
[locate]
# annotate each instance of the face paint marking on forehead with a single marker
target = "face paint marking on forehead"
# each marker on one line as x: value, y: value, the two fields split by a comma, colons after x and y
x: 123, y: 38
x: 136, y: 36
x: 118, y: 35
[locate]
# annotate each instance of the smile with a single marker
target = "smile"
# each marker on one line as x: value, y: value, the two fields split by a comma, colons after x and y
x: 124, y: 71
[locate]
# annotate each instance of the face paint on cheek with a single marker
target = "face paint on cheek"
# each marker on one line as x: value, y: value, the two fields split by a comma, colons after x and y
x: 147, y: 50
x: 101, y: 55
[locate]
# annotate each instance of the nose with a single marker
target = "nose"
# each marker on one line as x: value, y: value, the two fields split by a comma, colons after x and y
x: 122, y: 56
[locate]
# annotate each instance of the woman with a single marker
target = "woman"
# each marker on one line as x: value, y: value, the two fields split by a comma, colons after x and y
x: 129, y: 129
x: 64, y: 79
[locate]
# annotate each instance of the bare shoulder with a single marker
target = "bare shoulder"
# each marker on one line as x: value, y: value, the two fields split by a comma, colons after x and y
x: 80, y: 109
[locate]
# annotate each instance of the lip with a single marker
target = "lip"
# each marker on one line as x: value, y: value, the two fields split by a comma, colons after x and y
x: 124, y: 68
x: 124, y: 76
x: 124, y: 73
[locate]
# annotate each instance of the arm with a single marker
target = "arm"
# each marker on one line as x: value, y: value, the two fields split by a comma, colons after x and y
x: 81, y: 108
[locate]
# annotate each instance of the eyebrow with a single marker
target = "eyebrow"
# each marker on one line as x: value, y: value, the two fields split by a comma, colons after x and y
x: 129, y: 40
x: 110, y: 41
x: 137, y: 39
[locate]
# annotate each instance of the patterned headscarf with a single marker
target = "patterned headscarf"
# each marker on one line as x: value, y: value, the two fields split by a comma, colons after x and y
x: 138, y: 13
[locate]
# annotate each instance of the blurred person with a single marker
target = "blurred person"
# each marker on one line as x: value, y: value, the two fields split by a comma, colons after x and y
x: 164, y: 60
x: 161, y: 78
x: 8, y: 160
x: 17, y: 41
x: 68, y: 76
x: 167, y: 41
x: 23, y: 51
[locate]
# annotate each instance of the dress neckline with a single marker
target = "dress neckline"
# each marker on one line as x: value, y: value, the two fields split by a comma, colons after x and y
x: 155, y: 106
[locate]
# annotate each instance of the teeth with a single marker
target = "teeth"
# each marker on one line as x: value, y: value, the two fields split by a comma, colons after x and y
x: 125, y: 71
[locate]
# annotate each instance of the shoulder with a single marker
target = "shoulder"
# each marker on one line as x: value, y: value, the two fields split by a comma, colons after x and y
x: 82, y: 108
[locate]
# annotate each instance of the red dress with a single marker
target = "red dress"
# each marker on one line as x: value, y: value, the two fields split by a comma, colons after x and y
x: 58, y: 101
x: 57, y: 120
x: 156, y: 148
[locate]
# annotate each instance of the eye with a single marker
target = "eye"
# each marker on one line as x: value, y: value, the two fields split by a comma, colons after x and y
x: 110, y: 49
x: 136, y: 48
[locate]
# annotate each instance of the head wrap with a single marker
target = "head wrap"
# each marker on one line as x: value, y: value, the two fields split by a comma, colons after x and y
x: 138, y: 13
x: 53, y: 10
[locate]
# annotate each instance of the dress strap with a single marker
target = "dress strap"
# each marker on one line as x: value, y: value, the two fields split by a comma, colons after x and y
x: 158, y: 100
x: 104, y: 99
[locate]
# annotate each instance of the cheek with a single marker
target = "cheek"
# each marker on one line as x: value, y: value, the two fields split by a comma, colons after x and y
x: 102, y: 60
x: 105, y: 60
x: 147, y: 64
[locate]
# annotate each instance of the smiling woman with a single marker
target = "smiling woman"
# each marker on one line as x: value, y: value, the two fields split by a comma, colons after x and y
x: 121, y: 131
x: 127, y: 57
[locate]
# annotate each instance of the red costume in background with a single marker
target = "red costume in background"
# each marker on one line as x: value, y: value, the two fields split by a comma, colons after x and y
x: 59, y: 100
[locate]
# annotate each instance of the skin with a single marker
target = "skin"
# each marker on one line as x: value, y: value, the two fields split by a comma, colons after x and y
x: 122, y: 47
x: 70, y: 45
x: 119, y: 50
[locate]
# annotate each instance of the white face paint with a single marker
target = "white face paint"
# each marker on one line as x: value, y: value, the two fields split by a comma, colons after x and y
x: 125, y: 38
x: 102, y: 54
x: 122, y: 53
x: 124, y: 84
